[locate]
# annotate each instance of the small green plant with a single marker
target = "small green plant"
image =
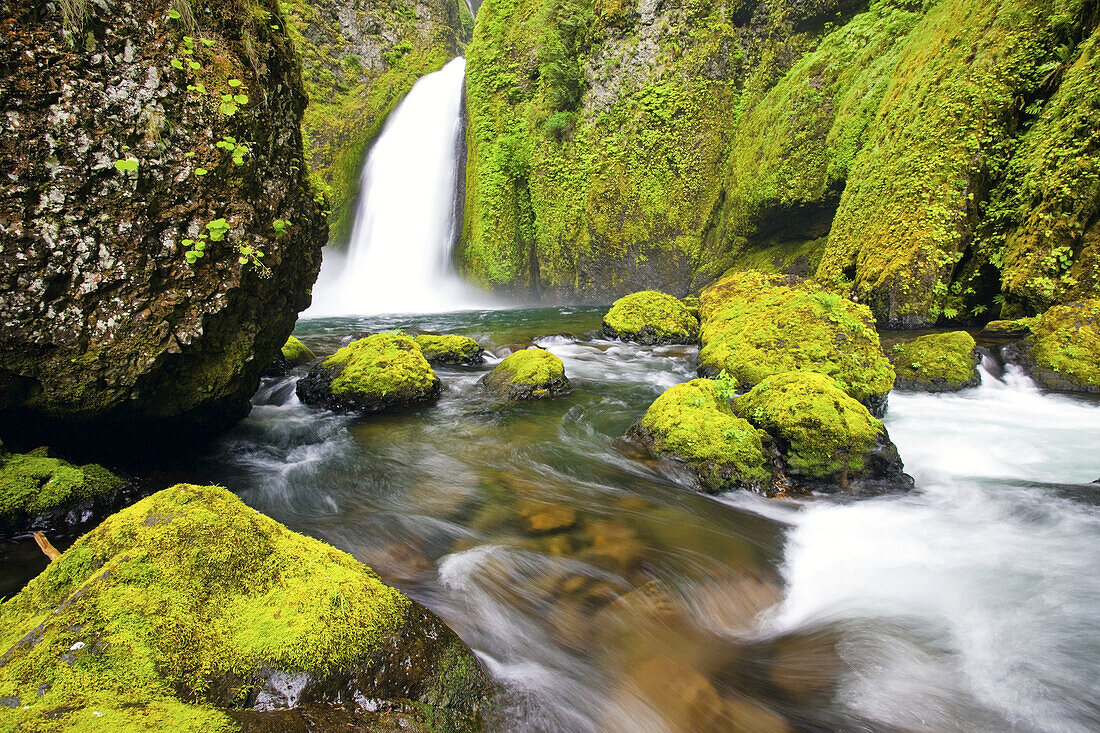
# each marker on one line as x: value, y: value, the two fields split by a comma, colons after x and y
x: 253, y: 255
x: 280, y: 225
x: 217, y: 229
x: 238, y: 148
x: 126, y: 165
x: 194, y: 249
x: 725, y: 386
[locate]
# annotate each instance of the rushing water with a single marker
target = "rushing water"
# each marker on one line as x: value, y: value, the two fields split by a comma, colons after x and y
x: 399, y: 257
x: 605, y: 595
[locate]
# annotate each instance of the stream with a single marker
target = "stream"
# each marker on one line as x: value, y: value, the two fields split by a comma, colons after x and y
x: 604, y: 594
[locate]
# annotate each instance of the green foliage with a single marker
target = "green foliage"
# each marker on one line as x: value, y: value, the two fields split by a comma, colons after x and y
x: 127, y: 165
x: 217, y: 229
x: 280, y: 227
x: 725, y: 386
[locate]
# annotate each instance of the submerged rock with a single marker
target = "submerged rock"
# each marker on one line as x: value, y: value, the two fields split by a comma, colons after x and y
x: 937, y: 362
x: 189, y: 606
x: 530, y: 374
x: 1063, y: 350
x: 293, y: 354
x: 824, y: 439
x: 651, y: 317
x: 692, y: 423
x: 450, y: 349
x: 38, y: 490
x: 374, y: 374
x: 756, y: 325
x: 129, y: 315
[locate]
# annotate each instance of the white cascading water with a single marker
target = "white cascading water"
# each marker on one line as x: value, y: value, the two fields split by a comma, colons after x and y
x: 972, y: 604
x: 399, y: 257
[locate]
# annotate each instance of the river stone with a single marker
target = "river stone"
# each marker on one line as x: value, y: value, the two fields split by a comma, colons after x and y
x: 293, y: 354
x: 651, y: 317
x: 530, y: 374
x: 450, y: 349
x: 541, y: 518
x: 374, y: 374
x: 936, y: 362
x: 111, y: 340
x: 190, y: 605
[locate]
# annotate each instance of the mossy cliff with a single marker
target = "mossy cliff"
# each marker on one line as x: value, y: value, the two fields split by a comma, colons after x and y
x: 135, y: 203
x: 188, y: 606
x: 358, y: 61
x: 1063, y: 350
x: 897, y: 149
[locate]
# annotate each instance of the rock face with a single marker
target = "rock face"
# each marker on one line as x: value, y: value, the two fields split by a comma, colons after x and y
x: 188, y: 606
x: 530, y: 374
x: 1063, y: 350
x: 358, y: 61
x: 374, y: 374
x: 651, y: 317
x: 450, y: 349
x: 757, y: 325
x: 882, y: 145
x: 157, y: 236
x: 937, y: 362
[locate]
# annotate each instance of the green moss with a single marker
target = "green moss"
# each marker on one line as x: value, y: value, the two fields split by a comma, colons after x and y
x: 33, y: 484
x: 532, y: 367
x: 690, y: 422
x: 1017, y: 327
x: 754, y: 326
x: 382, y: 366
x: 1065, y: 346
x: 449, y: 349
x: 937, y: 362
x: 181, y: 597
x: 296, y: 353
x: 828, y: 432
x: 651, y: 317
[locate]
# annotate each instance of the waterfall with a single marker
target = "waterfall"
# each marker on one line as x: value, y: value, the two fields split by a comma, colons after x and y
x: 399, y: 257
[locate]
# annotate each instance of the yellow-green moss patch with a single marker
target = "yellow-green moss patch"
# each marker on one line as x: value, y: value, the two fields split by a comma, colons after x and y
x: 690, y: 422
x: 449, y: 349
x: 296, y: 353
x: 528, y: 374
x: 757, y: 325
x: 936, y: 362
x: 651, y: 317
x: 35, y: 483
x: 1064, y: 347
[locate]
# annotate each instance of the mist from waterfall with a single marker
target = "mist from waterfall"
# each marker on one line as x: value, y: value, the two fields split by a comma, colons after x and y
x: 399, y: 256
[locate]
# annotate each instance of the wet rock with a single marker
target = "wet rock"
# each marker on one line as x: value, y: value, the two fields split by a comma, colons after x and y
x: 113, y: 338
x: 613, y: 544
x: 293, y: 354
x: 531, y: 374
x: 749, y: 716
x: 540, y: 518
x: 1063, y: 350
x: 937, y: 362
x: 1008, y: 329
x: 375, y: 374
x: 676, y: 692
x: 450, y: 349
x: 204, y: 606
x: 822, y: 438
x: 651, y: 317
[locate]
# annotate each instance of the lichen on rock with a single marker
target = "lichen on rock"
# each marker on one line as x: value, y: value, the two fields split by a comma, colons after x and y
x: 755, y: 325
x: 450, y: 349
x: 189, y: 605
x: 1063, y: 350
x: 651, y: 317
x: 936, y: 362
x: 530, y: 374
x: 824, y: 438
x: 692, y: 423
x: 382, y: 372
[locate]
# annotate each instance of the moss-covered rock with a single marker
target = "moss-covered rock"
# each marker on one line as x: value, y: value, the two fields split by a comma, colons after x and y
x: 1016, y: 328
x: 35, y: 483
x: 756, y: 325
x: 450, y: 349
x: 530, y: 374
x: 381, y: 372
x: 189, y: 604
x: 115, y: 167
x: 936, y: 362
x: 692, y: 423
x: 825, y: 439
x: 651, y: 317
x: 358, y: 62
x: 293, y: 354
x: 1063, y: 351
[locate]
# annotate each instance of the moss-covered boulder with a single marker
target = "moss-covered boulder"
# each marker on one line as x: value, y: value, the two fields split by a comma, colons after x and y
x: 1063, y: 350
x: 381, y: 372
x: 37, y: 490
x: 450, y: 349
x: 530, y: 374
x: 293, y: 354
x: 188, y: 606
x: 756, y: 325
x: 117, y: 176
x: 651, y: 317
x: 1005, y: 329
x: 824, y: 438
x: 936, y: 362
x: 692, y: 423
